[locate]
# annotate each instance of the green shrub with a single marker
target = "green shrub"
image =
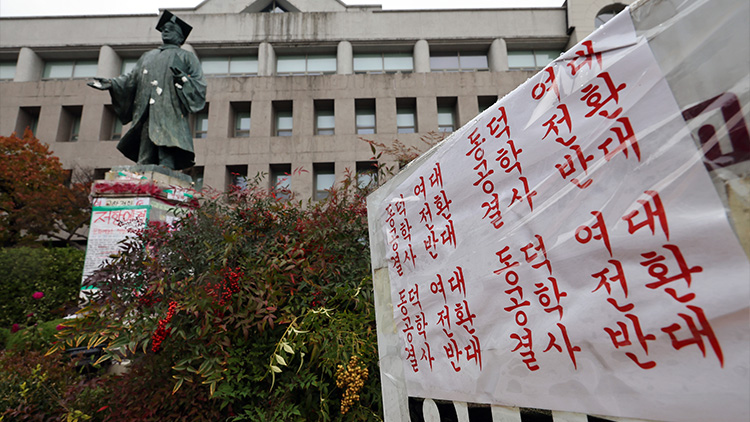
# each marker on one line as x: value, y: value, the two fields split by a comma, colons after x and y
x: 39, y: 337
x: 54, y: 272
x: 249, y: 300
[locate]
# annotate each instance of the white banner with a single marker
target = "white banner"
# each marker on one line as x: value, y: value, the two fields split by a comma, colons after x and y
x: 110, y: 225
x: 567, y: 250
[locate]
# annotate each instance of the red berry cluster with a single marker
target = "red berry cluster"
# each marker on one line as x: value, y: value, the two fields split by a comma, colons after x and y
x: 318, y: 300
x: 147, y: 299
x: 222, y: 291
x: 162, y: 331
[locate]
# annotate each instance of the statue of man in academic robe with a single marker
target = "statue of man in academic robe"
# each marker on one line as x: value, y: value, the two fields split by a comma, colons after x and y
x: 164, y: 87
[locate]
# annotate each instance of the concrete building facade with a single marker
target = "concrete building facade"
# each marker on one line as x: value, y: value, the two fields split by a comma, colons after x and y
x: 292, y: 84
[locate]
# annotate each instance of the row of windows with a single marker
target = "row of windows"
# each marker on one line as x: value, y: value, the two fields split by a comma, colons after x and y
x: 282, y: 112
x: 310, y: 64
x: 280, y: 177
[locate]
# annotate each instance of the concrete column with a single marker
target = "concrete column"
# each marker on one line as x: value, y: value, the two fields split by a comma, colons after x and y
x: 29, y: 66
x: 498, y: 55
x: 344, y: 58
x: 266, y: 60
x: 422, y: 56
x: 109, y: 64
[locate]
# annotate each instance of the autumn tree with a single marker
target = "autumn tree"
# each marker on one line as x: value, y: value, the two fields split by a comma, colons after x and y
x: 35, y: 199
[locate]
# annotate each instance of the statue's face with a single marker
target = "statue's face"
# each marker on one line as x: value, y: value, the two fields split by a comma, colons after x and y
x: 171, y: 34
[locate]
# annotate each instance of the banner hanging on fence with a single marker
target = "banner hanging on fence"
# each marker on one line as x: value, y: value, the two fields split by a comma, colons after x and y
x: 567, y: 250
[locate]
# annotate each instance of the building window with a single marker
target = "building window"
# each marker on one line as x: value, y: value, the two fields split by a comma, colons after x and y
x: 116, y: 130
x: 128, y: 65
x: 100, y: 173
x: 230, y: 65
x: 383, y: 63
x: 274, y: 7
x: 7, y: 71
x: 325, y: 121
x: 531, y: 59
x: 236, y: 176
x: 367, y: 174
x: 280, y: 180
x: 200, y: 123
x: 111, y: 128
x: 324, y: 179
x: 458, y: 62
x: 486, y: 101
x: 607, y: 13
x: 196, y: 173
x: 241, y: 117
x: 28, y: 117
x: 70, y: 69
x: 70, y: 124
x: 406, y: 115
x: 446, y: 114
x: 307, y: 64
x: 365, y: 116
x: 283, y: 121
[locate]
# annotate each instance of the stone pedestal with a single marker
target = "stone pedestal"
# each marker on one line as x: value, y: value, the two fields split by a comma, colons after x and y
x: 125, y: 202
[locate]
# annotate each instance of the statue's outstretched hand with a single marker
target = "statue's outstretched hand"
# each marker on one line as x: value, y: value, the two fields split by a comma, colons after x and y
x: 101, y: 84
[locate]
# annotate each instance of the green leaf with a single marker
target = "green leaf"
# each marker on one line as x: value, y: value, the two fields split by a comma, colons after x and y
x: 177, y: 385
x: 288, y: 348
x: 275, y: 369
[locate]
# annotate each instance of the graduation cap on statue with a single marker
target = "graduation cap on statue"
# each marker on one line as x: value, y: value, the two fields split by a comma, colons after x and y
x: 167, y: 16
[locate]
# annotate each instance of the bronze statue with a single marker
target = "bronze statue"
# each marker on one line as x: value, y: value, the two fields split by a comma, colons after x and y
x: 165, y: 85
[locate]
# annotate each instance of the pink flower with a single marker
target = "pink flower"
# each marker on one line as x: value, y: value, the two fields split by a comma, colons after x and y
x: 60, y: 327
x: 14, y: 328
x: 30, y: 315
x: 37, y: 295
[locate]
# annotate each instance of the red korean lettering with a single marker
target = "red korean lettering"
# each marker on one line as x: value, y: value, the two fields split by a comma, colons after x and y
x: 474, y: 351
x: 585, y: 233
x: 474, y: 138
x: 549, y: 81
x: 605, y: 281
x: 496, y: 123
x: 658, y: 270
x: 566, y: 340
x: 505, y: 259
x: 449, y: 234
x: 505, y: 160
x: 412, y: 358
x: 430, y: 244
x: 405, y: 229
x: 653, y: 210
x: 436, y: 177
x: 586, y: 57
x: 546, y: 300
x: 464, y: 315
x: 525, y: 341
x: 409, y: 255
x: 414, y: 297
x: 531, y: 257
x: 493, y: 211
x: 596, y: 100
x: 487, y: 185
x: 425, y: 214
x: 442, y: 205
x: 452, y: 351
x: 457, y: 281
x: 528, y: 194
x: 419, y: 188
x: 437, y: 287
x: 553, y: 121
x: 625, y: 138
x: 427, y: 355
x: 697, y: 332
